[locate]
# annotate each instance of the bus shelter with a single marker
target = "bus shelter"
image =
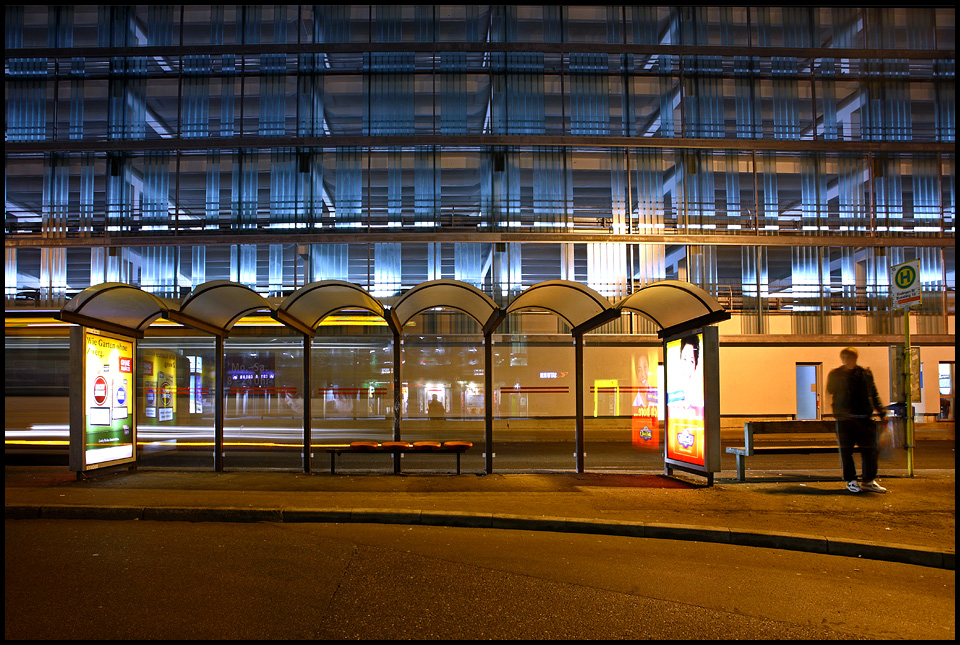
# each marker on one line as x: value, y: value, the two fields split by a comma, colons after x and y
x: 304, y: 310
x: 103, y: 407
x: 583, y: 309
x: 467, y: 299
x: 215, y: 307
x: 683, y: 312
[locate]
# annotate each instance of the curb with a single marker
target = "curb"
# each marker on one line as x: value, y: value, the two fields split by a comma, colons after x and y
x: 921, y: 556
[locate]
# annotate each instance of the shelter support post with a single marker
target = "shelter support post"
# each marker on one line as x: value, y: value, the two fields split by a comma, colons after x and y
x: 397, y: 394
x: 578, y: 342
x: 218, y: 407
x: 488, y: 402
x: 307, y: 412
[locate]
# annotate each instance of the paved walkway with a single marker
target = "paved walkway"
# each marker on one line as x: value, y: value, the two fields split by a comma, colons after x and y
x: 913, y: 523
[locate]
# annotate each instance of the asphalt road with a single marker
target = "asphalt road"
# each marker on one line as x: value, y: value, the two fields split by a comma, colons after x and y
x: 139, y: 579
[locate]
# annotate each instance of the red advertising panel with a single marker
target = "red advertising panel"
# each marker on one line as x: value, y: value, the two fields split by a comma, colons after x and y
x: 644, y: 421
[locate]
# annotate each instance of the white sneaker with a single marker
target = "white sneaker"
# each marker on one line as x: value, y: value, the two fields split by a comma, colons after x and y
x: 853, y: 486
x: 873, y: 487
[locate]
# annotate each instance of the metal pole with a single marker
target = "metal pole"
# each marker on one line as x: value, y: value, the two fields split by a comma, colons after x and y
x: 579, y: 367
x: 908, y: 388
x: 307, y: 412
x: 488, y: 401
x: 397, y: 395
x: 218, y: 407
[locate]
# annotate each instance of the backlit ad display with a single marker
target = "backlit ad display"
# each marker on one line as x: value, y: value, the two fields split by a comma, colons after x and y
x: 645, y: 407
x: 103, y: 412
x: 692, y: 434
x: 159, y: 373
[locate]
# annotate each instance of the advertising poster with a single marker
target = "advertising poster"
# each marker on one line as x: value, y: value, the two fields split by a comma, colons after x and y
x: 685, y: 401
x: 644, y: 422
x: 108, y: 419
x: 159, y: 371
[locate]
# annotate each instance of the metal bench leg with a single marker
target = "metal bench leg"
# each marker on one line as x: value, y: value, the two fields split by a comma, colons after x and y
x: 458, y: 463
x: 333, y: 463
x: 741, y: 467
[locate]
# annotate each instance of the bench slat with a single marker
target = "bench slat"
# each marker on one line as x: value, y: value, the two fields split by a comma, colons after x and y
x: 793, y: 450
x: 783, y: 450
x: 792, y: 427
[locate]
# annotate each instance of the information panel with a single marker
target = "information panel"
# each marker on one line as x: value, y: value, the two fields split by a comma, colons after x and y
x: 102, y: 400
x: 692, y: 436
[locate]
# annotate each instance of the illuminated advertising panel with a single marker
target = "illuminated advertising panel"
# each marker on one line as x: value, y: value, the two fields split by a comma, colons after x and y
x: 159, y: 372
x: 103, y: 401
x: 692, y: 437
x: 644, y: 421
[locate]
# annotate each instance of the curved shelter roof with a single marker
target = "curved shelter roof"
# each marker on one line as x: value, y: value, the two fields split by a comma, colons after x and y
x: 306, y: 307
x: 579, y: 305
x: 215, y: 306
x: 115, y: 307
x: 447, y: 293
x: 675, y: 306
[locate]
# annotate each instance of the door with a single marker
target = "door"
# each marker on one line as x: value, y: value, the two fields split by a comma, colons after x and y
x: 808, y: 391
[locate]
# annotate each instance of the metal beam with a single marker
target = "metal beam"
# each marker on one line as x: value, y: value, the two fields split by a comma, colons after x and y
x: 480, y: 142
x: 374, y: 236
x: 479, y: 48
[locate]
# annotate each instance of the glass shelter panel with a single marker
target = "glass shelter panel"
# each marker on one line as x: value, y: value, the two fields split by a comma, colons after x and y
x: 176, y: 382
x: 263, y: 403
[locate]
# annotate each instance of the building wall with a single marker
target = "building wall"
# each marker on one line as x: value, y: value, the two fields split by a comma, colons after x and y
x: 782, y: 158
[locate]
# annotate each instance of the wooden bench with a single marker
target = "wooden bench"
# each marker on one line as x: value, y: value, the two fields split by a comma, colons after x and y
x: 397, y: 448
x: 781, y: 430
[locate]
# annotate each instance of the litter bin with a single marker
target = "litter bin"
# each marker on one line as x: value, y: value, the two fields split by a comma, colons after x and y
x: 897, y: 418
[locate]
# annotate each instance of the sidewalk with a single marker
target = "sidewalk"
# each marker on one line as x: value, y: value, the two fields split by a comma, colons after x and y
x: 914, y: 523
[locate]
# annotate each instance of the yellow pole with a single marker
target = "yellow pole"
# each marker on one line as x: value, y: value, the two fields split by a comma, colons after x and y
x: 908, y: 388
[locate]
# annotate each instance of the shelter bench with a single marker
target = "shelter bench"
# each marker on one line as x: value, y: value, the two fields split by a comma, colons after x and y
x: 782, y: 431
x: 398, y: 447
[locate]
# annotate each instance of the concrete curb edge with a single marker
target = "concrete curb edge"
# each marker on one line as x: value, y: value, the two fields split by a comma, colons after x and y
x: 922, y: 556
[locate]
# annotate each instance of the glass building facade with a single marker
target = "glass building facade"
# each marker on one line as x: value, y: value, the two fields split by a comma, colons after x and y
x: 781, y: 158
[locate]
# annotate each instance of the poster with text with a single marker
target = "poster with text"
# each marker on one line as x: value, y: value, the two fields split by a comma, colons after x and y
x: 159, y: 372
x: 108, y: 401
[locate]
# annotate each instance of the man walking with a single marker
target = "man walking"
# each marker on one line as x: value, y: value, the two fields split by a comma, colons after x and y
x: 854, y: 400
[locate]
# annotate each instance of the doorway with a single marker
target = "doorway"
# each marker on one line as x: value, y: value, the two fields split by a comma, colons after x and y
x: 808, y: 391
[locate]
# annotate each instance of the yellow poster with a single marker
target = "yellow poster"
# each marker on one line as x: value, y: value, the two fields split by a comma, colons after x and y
x: 159, y: 387
x: 109, y: 428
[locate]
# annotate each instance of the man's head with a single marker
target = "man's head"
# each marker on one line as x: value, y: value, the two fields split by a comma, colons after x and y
x: 848, y: 356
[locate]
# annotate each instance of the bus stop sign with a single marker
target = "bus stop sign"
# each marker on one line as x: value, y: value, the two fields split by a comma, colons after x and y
x: 905, y: 286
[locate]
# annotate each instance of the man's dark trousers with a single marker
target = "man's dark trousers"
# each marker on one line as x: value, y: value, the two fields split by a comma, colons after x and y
x: 851, y: 432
